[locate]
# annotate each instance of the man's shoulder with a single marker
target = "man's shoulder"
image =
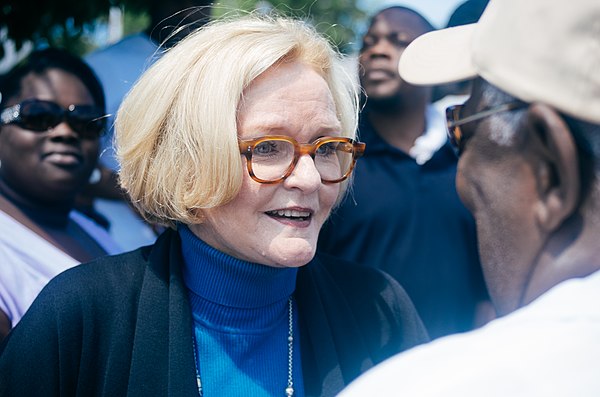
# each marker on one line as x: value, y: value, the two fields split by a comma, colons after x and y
x: 539, y: 344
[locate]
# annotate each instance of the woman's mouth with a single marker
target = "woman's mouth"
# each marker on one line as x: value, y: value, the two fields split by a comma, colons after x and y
x: 291, y: 216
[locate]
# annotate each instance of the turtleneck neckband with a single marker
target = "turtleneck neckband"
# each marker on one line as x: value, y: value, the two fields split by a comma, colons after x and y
x: 222, y: 279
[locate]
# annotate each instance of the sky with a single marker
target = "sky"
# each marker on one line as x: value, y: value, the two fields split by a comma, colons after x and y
x: 436, y: 11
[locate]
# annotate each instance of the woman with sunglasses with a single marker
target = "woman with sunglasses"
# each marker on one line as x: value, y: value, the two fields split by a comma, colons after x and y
x: 51, y: 114
x: 240, y: 139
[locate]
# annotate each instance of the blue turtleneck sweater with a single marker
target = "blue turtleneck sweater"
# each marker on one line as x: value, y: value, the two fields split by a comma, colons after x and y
x: 240, y: 312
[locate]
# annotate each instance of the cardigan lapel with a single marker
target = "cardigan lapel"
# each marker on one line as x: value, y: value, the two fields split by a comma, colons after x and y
x: 163, y: 331
x: 334, y: 351
x: 182, y: 366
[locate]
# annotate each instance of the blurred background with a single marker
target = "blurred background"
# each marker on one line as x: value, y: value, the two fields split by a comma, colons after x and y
x: 84, y: 25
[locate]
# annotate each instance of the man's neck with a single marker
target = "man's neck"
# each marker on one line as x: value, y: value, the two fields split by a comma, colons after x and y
x: 571, y: 252
x: 399, y: 126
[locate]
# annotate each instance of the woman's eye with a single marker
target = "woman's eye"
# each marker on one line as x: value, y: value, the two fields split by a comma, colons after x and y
x: 265, y: 148
x: 327, y: 149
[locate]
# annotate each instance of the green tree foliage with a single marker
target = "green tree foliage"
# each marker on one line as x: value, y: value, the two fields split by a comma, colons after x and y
x: 67, y: 23
x: 339, y: 20
x: 56, y: 22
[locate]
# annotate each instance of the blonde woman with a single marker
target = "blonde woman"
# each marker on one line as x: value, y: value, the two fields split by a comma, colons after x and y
x: 241, y: 140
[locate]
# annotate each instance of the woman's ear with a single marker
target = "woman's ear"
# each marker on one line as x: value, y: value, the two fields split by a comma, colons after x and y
x: 556, y: 166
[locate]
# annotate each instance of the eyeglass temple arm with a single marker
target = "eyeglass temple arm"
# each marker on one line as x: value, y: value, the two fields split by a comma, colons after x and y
x: 486, y: 113
x: 359, y: 149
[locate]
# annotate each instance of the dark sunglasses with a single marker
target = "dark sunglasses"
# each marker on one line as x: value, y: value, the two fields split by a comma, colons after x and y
x: 37, y: 115
x: 454, y: 122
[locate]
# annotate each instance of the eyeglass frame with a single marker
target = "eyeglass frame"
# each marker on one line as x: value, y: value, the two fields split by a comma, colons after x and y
x: 12, y: 115
x: 453, y: 120
x: 300, y: 149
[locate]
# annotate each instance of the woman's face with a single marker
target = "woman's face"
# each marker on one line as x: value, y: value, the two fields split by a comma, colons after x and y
x: 278, y: 225
x: 49, y: 166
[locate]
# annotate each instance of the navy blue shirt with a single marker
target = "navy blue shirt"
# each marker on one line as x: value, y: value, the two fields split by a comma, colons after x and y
x: 407, y: 220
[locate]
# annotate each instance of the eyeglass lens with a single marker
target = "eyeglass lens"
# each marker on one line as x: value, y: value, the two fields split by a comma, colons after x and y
x: 454, y: 131
x: 43, y: 115
x: 272, y: 159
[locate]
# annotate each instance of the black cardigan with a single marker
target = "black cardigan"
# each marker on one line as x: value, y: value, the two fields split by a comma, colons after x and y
x: 122, y: 326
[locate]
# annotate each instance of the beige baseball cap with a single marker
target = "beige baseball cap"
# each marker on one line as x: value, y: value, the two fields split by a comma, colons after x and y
x: 536, y: 50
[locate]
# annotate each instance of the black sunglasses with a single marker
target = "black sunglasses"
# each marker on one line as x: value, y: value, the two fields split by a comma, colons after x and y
x: 37, y: 115
x: 454, y: 121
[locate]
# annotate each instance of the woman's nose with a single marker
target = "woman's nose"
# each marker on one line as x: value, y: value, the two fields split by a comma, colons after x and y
x: 305, y: 175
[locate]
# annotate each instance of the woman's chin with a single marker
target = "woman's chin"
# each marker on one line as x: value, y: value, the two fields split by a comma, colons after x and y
x: 293, y: 253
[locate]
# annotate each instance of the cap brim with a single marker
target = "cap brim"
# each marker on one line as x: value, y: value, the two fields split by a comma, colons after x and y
x: 439, y: 57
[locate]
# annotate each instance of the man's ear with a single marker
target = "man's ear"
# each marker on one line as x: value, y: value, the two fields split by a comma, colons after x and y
x: 556, y: 166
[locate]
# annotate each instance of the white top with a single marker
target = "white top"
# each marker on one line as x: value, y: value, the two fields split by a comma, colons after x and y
x: 549, y: 348
x: 28, y: 262
x: 432, y: 139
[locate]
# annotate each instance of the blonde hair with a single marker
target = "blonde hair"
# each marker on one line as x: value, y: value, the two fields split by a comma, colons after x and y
x: 176, y: 131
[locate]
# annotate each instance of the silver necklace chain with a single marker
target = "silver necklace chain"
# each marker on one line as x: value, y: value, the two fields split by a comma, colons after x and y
x: 289, y: 390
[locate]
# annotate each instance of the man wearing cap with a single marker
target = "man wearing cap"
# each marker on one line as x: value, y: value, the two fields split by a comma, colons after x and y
x: 529, y: 171
x: 404, y: 215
